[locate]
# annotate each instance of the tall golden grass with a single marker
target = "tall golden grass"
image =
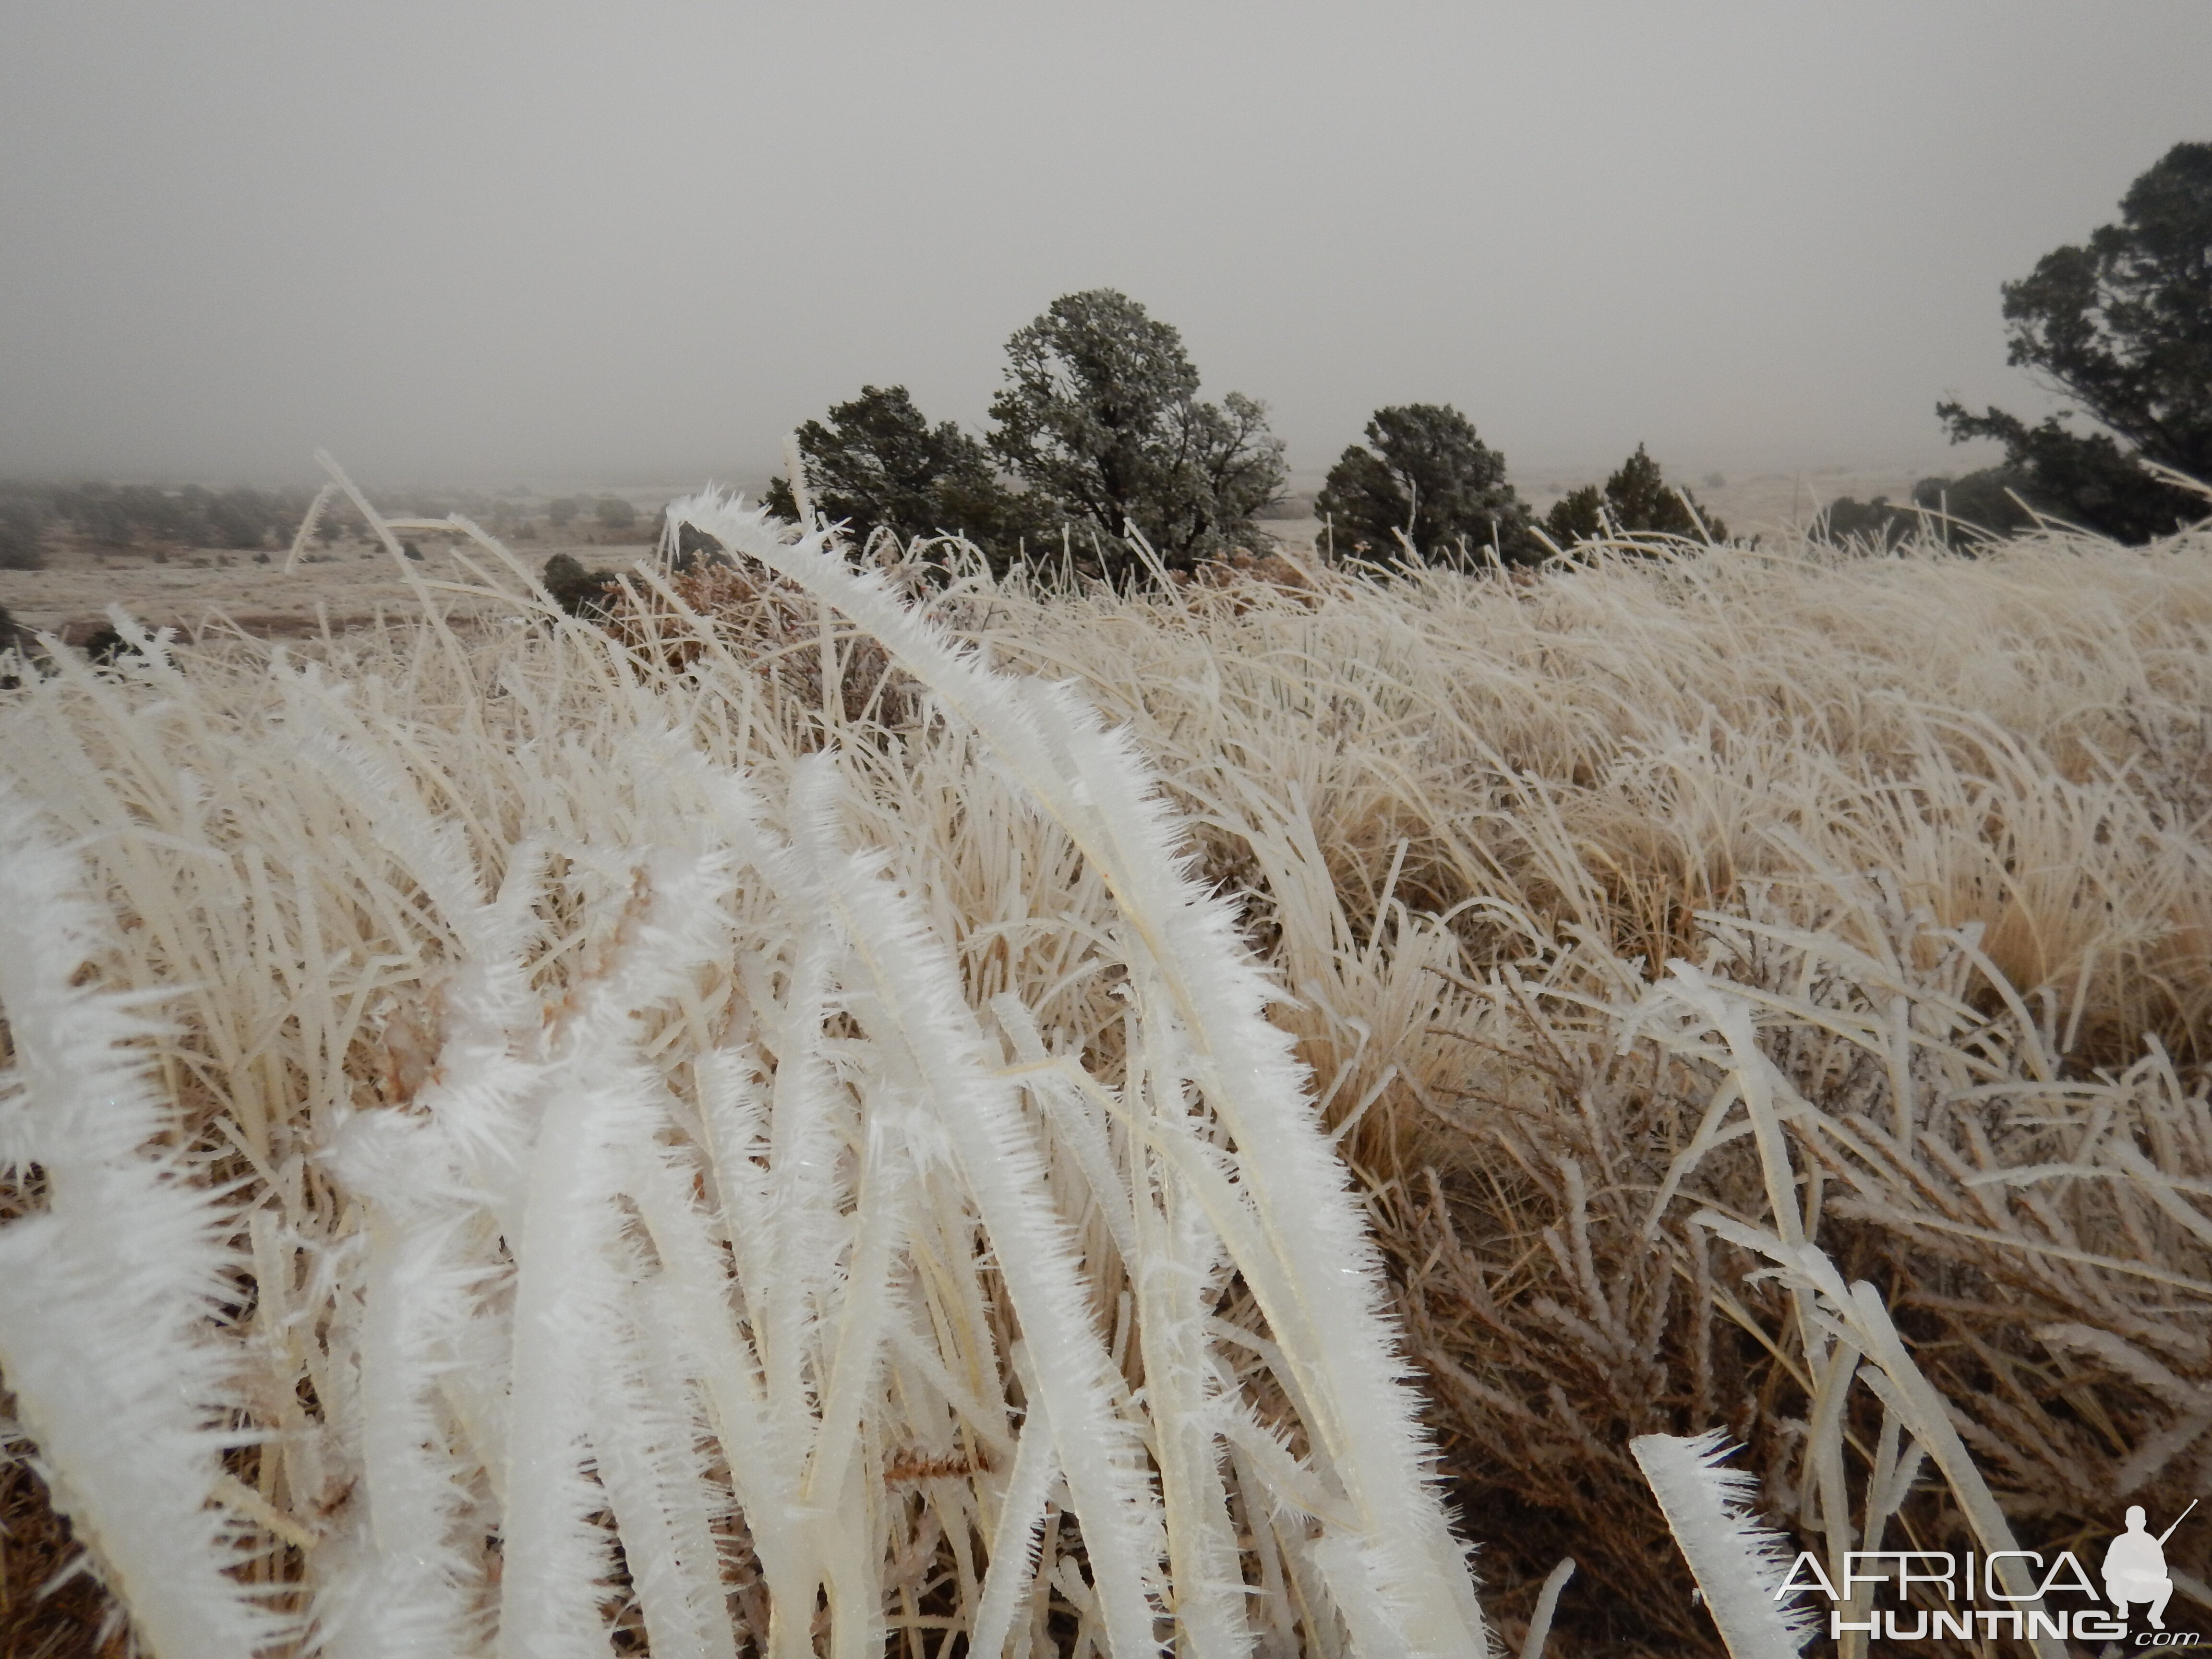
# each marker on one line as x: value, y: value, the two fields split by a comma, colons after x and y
x: 1629, y: 915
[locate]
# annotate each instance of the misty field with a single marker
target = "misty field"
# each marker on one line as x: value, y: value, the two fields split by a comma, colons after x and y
x: 839, y: 1112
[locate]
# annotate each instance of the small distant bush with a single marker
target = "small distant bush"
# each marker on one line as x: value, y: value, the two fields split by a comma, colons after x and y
x: 23, y: 536
x: 242, y: 519
x: 579, y: 592
x: 1996, y: 500
x: 1637, y: 499
x: 613, y: 512
x: 1880, y: 523
x: 99, y: 512
x: 561, y: 512
x: 1962, y: 512
x: 684, y: 547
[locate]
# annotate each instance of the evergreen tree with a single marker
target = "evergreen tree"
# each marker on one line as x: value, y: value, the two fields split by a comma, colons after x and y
x: 1637, y: 499
x: 2124, y: 326
x: 1100, y: 414
x: 878, y: 462
x: 1425, y: 481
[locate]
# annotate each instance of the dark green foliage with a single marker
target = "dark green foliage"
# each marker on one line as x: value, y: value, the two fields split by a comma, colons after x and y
x: 106, y: 647
x: 878, y: 464
x: 1987, y: 501
x: 579, y: 592
x: 613, y: 512
x: 22, y: 535
x: 1961, y: 513
x: 1637, y: 499
x: 1879, y: 523
x: 2082, y: 479
x: 2124, y: 326
x: 688, y: 547
x: 1576, y: 516
x: 1100, y: 414
x: 1424, y: 481
x: 242, y: 519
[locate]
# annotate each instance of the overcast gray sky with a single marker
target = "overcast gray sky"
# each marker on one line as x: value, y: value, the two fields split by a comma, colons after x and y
x: 469, y: 241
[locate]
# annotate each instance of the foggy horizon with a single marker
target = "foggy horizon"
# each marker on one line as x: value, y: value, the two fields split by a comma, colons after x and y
x: 522, y: 243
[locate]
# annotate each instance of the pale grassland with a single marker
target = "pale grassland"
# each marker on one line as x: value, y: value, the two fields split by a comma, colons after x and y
x: 1928, y: 833
x: 1632, y: 918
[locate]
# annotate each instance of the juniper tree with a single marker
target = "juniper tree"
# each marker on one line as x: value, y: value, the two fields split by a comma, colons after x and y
x: 1424, y: 481
x: 1638, y: 500
x: 2122, y: 326
x: 1100, y: 414
x: 877, y: 462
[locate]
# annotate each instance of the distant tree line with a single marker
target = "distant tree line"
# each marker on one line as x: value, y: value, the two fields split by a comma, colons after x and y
x: 124, y: 517
x: 1100, y: 442
x: 1102, y: 459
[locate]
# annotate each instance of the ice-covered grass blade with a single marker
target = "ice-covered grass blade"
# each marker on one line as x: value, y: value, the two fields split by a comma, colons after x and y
x: 110, y: 1294
x: 1739, y: 1564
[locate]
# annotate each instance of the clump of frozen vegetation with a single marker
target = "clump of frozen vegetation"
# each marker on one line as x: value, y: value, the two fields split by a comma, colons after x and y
x: 669, y: 1200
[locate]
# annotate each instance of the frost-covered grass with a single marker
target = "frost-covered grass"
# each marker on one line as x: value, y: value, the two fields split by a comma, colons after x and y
x: 1863, y: 903
x: 851, y: 1174
x: 768, y: 1128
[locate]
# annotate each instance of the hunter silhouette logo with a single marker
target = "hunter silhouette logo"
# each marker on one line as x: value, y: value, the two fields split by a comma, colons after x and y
x: 2135, y: 1566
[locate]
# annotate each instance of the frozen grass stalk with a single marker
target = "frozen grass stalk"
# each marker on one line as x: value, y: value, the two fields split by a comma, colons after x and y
x: 108, y: 1294
x: 1739, y: 1564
